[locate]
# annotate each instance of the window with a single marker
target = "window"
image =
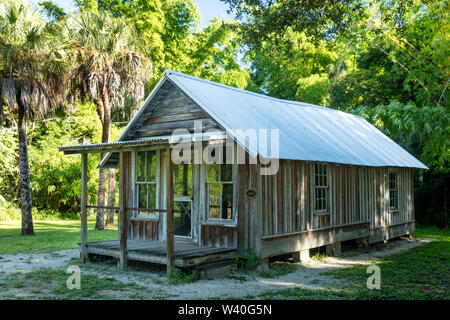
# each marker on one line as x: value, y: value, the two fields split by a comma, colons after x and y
x: 146, y: 179
x: 320, y: 188
x: 393, y: 191
x: 220, y: 190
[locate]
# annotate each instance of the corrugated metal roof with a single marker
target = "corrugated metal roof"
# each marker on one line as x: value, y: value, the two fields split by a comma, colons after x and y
x: 306, y: 132
x: 110, y: 145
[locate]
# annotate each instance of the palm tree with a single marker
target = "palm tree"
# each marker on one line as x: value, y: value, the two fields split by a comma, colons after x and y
x: 31, y: 65
x: 109, y: 70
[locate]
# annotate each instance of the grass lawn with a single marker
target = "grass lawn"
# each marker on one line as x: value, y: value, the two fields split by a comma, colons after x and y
x: 420, y: 273
x: 50, y: 235
x: 50, y: 284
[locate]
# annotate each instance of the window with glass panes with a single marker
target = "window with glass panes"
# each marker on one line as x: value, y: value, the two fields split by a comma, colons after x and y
x: 220, y: 190
x: 393, y: 191
x: 320, y: 188
x: 146, y: 179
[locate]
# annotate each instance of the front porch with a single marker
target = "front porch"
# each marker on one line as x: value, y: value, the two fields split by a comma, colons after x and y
x: 120, y: 248
x: 186, y: 254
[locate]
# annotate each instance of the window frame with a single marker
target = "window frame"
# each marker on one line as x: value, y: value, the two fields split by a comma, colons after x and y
x: 326, y: 188
x: 189, y: 198
x: 396, y: 190
x: 137, y: 184
x: 233, y: 182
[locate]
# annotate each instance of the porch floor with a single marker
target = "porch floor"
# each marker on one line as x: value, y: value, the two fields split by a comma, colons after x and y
x: 186, y: 253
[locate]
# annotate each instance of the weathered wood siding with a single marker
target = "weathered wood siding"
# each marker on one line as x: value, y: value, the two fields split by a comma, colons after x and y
x: 249, y: 219
x: 144, y: 229
x: 218, y: 236
x: 384, y: 217
x: 283, y: 207
x: 359, y: 198
x: 288, y: 204
x: 175, y: 111
x: 288, y: 198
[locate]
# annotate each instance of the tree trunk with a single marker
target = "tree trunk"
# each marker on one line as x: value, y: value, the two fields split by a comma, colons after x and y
x: 24, y: 177
x: 106, y: 122
x: 100, y: 219
x: 111, y: 198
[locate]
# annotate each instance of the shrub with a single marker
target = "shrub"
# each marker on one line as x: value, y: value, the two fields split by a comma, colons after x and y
x: 8, y: 211
x: 179, y: 276
x: 8, y: 164
x: 249, y: 262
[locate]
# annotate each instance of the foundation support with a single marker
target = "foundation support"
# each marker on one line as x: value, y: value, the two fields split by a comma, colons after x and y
x: 263, y: 265
x: 334, y: 249
x: 301, y: 256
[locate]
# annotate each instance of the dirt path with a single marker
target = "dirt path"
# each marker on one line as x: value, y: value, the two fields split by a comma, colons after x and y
x: 308, y: 276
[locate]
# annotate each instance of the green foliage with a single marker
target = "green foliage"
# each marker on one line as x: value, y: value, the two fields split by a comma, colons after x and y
x: 313, y: 89
x: 403, y: 62
x: 431, y: 192
x: 162, y: 27
x: 8, y: 164
x: 8, y: 211
x: 52, y: 10
x: 276, y: 270
x: 248, y: 263
x: 216, y: 54
x: 179, y: 276
x: 318, y: 256
x: 55, y: 178
x: 168, y: 30
x: 319, y: 19
x: 423, y: 131
x: 293, y: 67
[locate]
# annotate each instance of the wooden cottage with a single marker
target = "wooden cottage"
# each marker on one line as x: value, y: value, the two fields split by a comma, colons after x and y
x: 285, y: 177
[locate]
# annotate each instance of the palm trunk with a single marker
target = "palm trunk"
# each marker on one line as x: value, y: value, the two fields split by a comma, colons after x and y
x: 106, y: 121
x: 111, y: 198
x: 24, y: 169
x: 100, y: 219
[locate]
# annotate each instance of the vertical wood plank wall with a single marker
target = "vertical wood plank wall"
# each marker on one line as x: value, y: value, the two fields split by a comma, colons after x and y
x: 287, y: 198
x: 284, y: 203
x: 405, y: 197
x: 249, y: 219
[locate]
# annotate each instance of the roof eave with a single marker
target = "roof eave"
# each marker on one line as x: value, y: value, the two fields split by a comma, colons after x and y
x: 121, y: 146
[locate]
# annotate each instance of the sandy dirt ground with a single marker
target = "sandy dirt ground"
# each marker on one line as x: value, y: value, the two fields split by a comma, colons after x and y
x: 308, y: 276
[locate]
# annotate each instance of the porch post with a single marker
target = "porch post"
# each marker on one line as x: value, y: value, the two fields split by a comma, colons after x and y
x: 169, y: 215
x: 123, y: 212
x: 83, y: 249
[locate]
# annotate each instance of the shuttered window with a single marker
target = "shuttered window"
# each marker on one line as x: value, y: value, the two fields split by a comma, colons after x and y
x: 321, y: 193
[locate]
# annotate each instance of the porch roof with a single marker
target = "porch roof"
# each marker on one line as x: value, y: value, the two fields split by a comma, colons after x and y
x: 113, y: 146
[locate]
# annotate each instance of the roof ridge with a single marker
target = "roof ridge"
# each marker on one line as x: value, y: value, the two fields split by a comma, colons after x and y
x: 297, y: 103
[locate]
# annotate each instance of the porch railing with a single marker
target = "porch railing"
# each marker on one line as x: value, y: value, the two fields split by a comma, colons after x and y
x: 131, y: 209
